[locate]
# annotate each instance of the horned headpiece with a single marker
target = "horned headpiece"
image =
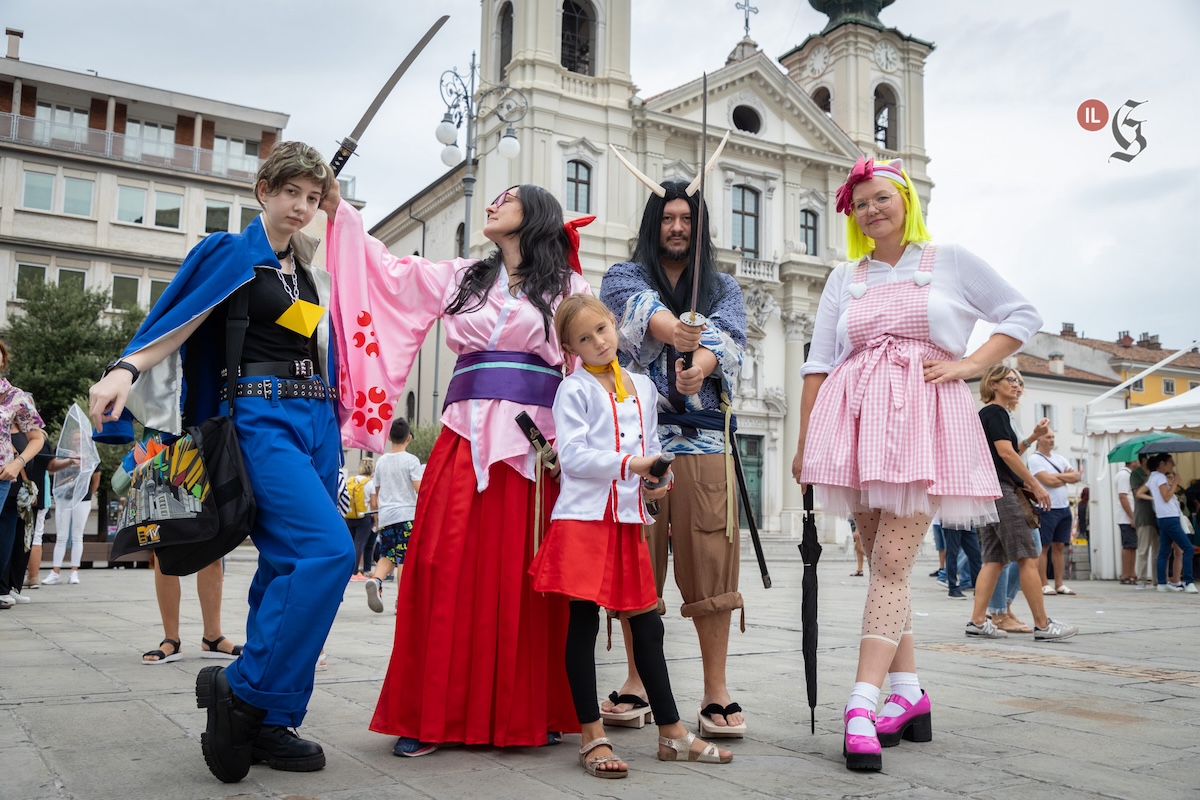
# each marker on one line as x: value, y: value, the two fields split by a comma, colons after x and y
x: 656, y: 187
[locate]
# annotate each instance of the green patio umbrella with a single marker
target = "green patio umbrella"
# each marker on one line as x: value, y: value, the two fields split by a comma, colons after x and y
x: 1128, y: 451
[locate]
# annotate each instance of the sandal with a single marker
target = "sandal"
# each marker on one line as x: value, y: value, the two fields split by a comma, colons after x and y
x: 161, y: 657
x: 681, y: 750
x: 856, y: 574
x: 636, y: 717
x: 212, y: 649
x: 711, y: 729
x: 593, y: 764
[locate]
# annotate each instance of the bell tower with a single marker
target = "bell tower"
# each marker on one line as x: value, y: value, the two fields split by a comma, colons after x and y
x: 869, y: 79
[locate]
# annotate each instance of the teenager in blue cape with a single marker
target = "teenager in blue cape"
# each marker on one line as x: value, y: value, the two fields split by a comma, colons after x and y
x: 170, y: 377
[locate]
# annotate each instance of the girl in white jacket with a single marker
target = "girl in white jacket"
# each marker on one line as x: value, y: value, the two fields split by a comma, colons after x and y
x: 606, y: 422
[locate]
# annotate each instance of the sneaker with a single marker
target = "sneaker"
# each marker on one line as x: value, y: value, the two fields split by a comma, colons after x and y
x: 935, y: 573
x: 18, y: 598
x: 412, y: 748
x: 1140, y: 586
x: 1169, y: 587
x: 53, y: 579
x: 74, y: 577
x: 956, y: 594
x: 942, y: 582
x: 1189, y: 588
x: 1054, y: 631
x: 985, y: 631
x: 358, y: 577
x: 375, y: 595
x: 1177, y: 586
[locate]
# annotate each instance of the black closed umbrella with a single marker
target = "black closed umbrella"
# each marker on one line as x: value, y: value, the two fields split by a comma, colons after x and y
x: 810, y: 554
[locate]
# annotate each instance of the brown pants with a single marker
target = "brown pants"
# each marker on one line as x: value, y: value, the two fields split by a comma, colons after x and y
x: 706, y: 562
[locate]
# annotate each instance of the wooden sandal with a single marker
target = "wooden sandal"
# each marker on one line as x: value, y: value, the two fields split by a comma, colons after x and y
x: 211, y: 649
x: 681, y: 750
x: 162, y: 658
x: 710, y: 729
x: 592, y: 765
x: 637, y: 717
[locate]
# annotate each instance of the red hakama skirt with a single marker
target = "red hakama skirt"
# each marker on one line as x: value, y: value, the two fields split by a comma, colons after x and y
x: 479, y: 655
x: 603, y: 561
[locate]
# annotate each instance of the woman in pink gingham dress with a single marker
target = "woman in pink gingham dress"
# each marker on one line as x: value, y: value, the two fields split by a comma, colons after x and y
x: 888, y: 429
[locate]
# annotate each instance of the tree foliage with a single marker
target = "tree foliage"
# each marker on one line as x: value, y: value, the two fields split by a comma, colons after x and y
x: 60, y: 343
x: 424, y: 437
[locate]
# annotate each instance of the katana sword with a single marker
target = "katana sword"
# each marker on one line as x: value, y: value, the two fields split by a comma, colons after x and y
x: 698, y: 224
x: 745, y: 493
x: 350, y: 143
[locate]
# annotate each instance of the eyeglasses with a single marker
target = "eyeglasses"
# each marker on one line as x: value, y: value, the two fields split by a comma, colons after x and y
x: 1014, y: 381
x: 504, y: 197
x: 880, y: 202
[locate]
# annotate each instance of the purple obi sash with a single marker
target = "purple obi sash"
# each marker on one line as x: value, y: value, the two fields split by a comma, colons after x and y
x: 503, y: 375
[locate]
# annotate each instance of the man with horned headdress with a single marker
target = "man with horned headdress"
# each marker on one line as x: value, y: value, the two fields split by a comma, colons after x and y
x: 651, y: 296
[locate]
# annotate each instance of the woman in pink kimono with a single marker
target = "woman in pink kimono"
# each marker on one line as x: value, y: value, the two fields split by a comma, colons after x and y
x: 478, y: 654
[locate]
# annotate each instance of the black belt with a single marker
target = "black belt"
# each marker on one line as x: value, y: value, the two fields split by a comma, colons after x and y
x: 283, y: 389
x: 302, y: 368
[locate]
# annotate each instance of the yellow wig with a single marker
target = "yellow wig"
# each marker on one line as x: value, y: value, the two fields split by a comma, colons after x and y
x: 858, y: 244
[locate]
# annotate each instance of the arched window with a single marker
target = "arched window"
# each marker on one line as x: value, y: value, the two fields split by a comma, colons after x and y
x: 460, y: 242
x: 808, y: 231
x: 886, y: 122
x: 745, y: 220
x: 410, y: 408
x: 578, y: 31
x: 824, y: 101
x: 506, y: 39
x: 579, y: 187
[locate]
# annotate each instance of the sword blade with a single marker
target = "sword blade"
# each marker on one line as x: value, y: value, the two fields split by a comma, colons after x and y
x: 350, y: 143
x: 698, y: 227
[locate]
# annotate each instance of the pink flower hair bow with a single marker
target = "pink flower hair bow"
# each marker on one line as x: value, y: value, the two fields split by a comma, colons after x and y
x: 864, y: 170
x: 572, y: 228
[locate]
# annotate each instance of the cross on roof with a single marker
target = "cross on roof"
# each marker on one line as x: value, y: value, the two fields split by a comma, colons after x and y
x: 748, y: 10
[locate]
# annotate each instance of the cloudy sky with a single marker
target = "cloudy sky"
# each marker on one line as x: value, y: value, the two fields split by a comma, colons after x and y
x: 1090, y: 240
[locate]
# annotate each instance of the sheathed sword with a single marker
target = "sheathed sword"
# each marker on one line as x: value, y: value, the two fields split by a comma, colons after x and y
x: 350, y: 143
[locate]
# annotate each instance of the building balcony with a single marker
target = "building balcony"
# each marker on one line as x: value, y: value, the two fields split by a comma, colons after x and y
x: 106, y: 144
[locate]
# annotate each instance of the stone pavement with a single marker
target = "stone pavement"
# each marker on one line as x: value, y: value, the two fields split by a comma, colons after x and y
x: 1114, y: 712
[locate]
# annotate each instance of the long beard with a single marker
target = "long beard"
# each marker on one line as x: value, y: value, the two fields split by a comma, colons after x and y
x: 668, y: 253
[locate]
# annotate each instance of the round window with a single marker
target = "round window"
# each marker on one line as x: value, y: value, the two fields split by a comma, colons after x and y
x: 747, y: 119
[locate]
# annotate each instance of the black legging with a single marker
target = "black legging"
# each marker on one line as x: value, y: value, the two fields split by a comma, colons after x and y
x: 647, y: 633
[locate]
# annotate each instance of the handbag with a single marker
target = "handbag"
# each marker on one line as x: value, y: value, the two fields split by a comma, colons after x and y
x: 27, y: 497
x: 1028, y: 504
x: 192, y: 502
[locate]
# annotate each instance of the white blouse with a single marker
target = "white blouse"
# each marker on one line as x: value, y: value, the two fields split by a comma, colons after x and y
x: 964, y: 289
x: 596, y: 438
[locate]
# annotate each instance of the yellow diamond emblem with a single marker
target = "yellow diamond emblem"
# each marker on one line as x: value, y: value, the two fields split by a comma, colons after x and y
x: 302, y: 317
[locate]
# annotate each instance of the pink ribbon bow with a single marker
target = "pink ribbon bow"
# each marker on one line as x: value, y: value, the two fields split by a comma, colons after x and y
x: 864, y: 170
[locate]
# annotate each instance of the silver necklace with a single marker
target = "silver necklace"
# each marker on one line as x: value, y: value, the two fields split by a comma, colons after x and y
x: 293, y: 291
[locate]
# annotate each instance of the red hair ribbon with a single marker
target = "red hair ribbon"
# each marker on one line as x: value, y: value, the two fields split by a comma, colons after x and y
x: 572, y: 228
x: 864, y: 170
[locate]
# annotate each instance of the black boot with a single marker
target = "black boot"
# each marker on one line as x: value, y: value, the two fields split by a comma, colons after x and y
x: 282, y: 749
x: 232, y: 726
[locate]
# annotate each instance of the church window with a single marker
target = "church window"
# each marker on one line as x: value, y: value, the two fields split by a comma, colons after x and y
x: 885, y: 118
x: 410, y: 408
x: 747, y: 119
x: 745, y: 221
x: 579, y: 187
x: 808, y: 231
x: 824, y: 101
x: 578, y: 31
x: 460, y: 241
x: 506, y: 39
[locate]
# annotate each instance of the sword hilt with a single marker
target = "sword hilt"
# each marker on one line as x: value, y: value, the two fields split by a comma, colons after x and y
x: 658, y: 469
x: 694, y: 320
x: 345, y: 150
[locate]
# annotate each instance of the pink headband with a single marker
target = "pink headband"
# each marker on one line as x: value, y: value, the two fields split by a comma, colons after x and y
x: 865, y: 169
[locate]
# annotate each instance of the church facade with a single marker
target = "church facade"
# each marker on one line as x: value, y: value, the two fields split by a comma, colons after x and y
x: 797, y: 124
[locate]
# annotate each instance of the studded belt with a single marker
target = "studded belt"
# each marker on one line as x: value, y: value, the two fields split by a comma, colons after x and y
x: 302, y: 368
x: 281, y: 388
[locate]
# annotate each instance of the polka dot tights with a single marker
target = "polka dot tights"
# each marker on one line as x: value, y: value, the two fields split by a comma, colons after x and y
x: 891, y: 545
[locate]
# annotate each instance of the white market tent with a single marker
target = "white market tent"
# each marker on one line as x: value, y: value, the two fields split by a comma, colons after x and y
x: 1106, y: 430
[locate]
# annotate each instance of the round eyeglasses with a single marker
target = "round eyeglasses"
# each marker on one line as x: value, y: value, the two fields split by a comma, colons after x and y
x: 880, y: 202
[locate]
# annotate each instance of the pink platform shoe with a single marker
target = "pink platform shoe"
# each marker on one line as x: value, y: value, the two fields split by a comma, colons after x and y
x: 861, y: 752
x: 914, y: 724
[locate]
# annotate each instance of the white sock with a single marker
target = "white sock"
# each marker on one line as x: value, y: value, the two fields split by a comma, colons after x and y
x: 863, y: 695
x: 907, y: 686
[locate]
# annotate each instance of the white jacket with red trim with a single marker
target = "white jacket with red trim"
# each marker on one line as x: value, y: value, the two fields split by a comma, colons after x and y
x: 597, y: 436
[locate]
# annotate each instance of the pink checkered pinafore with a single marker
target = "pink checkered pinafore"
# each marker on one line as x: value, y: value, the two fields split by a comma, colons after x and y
x: 879, y: 435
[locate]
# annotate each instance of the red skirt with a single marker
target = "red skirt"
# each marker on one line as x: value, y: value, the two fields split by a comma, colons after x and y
x: 603, y: 561
x: 478, y: 655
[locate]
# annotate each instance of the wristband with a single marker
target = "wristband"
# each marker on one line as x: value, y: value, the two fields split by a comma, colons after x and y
x: 125, y: 365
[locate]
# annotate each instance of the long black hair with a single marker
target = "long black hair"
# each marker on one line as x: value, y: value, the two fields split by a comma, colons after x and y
x: 544, y: 273
x: 649, y: 242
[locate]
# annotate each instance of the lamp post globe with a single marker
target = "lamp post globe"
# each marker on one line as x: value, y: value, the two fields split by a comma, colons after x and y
x: 446, y: 131
x: 451, y: 155
x: 509, y: 146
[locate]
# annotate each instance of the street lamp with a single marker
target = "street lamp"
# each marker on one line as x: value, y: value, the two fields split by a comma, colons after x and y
x: 462, y: 105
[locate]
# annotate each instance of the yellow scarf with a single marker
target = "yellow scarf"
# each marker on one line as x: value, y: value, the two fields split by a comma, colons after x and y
x: 615, y: 369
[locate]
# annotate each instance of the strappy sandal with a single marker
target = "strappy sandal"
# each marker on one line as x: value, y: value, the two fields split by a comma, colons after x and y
x: 637, y: 717
x: 211, y: 650
x: 592, y: 765
x: 160, y: 656
x: 681, y: 750
x: 708, y: 728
